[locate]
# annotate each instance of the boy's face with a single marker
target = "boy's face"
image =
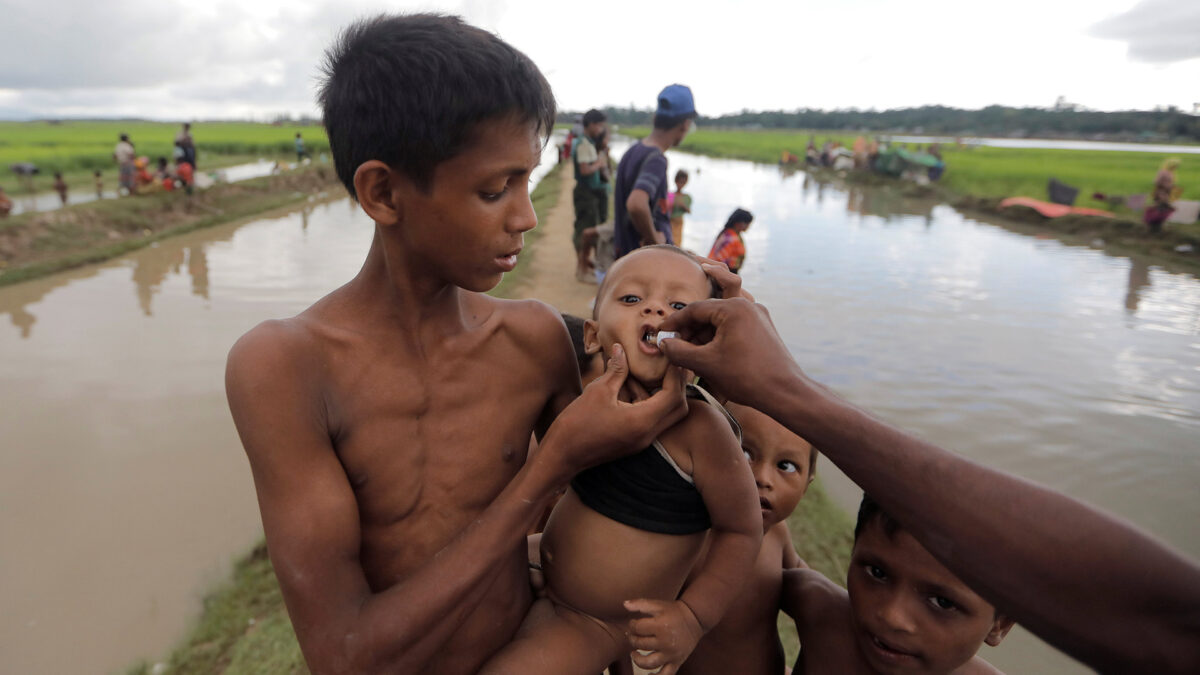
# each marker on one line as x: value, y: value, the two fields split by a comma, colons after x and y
x: 779, y: 460
x: 680, y: 182
x: 467, y: 228
x: 910, y: 613
x: 642, y: 289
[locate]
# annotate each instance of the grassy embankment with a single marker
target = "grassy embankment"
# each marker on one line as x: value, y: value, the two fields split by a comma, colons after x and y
x: 244, y: 626
x: 978, y: 177
x: 79, y: 148
x: 39, y: 243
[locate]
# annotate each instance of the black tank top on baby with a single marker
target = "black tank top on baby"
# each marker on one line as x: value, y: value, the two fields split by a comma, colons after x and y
x: 647, y: 490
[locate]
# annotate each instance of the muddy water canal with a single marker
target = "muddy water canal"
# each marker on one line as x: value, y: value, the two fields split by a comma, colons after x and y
x: 124, y: 493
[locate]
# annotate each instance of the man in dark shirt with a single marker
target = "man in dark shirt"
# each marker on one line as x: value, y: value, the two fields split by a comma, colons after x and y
x: 640, y: 191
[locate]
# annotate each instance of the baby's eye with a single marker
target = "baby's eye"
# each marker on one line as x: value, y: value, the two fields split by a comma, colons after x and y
x: 678, y: 305
x: 875, y: 572
x: 629, y: 299
x: 942, y: 603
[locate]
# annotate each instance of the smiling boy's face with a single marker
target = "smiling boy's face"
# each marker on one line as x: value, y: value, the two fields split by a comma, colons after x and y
x: 779, y: 460
x: 910, y: 613
x: 641, y: 290
x: 468, y: 227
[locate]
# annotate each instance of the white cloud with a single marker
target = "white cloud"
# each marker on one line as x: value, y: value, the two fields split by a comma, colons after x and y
x: 1157, y: 31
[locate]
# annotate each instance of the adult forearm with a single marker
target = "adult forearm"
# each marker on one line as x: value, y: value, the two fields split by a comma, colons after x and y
x: 643, y: 222
x: 1088, y: 583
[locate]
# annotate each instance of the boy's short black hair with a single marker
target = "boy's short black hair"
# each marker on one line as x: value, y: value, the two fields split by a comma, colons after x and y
x: 410, y: 90
x: 593, y: 116
x: 869, y: 510
x: 575, y: 328
x: 681, y: 174
x: 671, y: 121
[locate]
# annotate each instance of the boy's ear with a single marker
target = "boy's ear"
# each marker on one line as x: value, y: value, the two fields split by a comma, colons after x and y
x: 373, y: 184
x: 1000, y: 628
x: 591, y: 337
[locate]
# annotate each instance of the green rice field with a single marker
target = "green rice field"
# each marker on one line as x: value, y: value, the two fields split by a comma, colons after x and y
x: 77, y: 148
x: 978, y: 171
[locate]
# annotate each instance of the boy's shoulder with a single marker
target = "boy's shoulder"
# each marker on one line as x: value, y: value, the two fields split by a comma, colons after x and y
x: 811, y: 598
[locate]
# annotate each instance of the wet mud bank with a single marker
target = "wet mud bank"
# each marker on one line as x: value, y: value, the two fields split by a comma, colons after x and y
x: 39, y: 243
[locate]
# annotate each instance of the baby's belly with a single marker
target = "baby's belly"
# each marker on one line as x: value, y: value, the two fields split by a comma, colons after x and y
x: 594, y: 564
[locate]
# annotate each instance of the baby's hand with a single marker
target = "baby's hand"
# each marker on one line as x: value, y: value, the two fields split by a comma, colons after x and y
x: 669, y: 631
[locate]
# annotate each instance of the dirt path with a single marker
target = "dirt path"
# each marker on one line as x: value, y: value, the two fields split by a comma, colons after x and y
x: 551, y: 276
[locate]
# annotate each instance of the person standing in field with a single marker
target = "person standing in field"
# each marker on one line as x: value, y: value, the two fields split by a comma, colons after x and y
x: 588, y: 163
x: 183, y: 139
x: 1164, y: 185
x: 124, y: 154
x: 640, y: 190
x: 60, y: 186
x: 99, y: 184
x: 300, y: 153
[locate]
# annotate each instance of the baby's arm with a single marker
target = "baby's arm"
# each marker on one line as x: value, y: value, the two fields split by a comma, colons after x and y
x: 724, y: 480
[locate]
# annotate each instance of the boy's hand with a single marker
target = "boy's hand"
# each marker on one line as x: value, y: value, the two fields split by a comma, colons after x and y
x: 669, y: 631
x: 598, y: 427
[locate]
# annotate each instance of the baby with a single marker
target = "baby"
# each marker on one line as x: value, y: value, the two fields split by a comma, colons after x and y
x: 624, y: 538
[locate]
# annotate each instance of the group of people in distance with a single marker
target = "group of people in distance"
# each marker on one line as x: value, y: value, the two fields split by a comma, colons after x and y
x: 134, y: 171
x: 388, y: 430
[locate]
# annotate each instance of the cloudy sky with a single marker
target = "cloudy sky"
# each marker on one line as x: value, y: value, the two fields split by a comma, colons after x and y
x: 205, y: 59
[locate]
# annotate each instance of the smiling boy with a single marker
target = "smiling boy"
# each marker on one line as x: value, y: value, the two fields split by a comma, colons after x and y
x: 901, y: 612
x: 387, y: 425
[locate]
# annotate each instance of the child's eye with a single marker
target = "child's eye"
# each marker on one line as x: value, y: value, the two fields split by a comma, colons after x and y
x: 492, y: 196
x: 629, y: 299
x: 747, y: 454
x: 875, y: 572
x: 678, y: 305
x: 787, y: 467
x: 942, y: 603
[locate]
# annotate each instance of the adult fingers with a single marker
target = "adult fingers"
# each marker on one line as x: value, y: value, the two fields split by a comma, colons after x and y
x: 616, y: 369
x: 683, y: 353
x: 730, y: 283
x: 695, y: 317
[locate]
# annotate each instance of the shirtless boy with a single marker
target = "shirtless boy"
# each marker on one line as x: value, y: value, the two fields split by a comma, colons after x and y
x: 619, y: 545
x: 747, y: 639
x: 387, y: 426
x: 901, y: 612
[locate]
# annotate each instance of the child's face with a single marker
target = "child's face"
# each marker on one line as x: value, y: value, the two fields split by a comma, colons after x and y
x: 468, y: 228
x: 910, y: 613
x: 641, y: 291
x: 680, y: 182
x: 779, y: 461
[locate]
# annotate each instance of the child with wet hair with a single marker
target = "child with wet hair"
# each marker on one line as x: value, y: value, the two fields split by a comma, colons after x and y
x: 621, y: 543
x: 747, y: 639
x: 901, y: 610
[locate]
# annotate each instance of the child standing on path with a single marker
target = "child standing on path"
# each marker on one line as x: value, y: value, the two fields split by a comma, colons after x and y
x: 729, y: 247
x: 680, y: 203
x: 624, y: 538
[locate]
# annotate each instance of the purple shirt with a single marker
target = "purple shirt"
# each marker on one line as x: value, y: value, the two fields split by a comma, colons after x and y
x: 643, y: 167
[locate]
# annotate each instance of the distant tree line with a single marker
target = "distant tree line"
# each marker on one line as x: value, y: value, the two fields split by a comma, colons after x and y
x: 995, y: 120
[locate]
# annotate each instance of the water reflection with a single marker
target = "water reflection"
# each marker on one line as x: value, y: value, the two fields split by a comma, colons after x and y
x: 1139, y: 279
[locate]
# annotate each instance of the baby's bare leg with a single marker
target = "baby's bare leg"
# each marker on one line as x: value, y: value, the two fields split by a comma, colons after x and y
x: 554, y: 639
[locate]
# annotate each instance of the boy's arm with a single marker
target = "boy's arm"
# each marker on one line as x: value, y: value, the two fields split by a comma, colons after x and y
x: 791, y: 559
x: 724, y: 479
x: 1086, y: 582
x: 311, y: 518
x: 638, y: 205
x: 808, y: 597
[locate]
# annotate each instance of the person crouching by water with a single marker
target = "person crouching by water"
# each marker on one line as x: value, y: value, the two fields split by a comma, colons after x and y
x: 729, y: 248
x: 1164, y: 186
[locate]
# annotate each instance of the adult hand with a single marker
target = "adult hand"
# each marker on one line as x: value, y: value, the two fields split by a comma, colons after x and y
x: 729, y: 283
x: 598, y: 426
x: 669, y: 631
x: 733, y: 344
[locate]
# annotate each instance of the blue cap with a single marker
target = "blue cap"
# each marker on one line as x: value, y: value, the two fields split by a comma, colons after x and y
x: 675, y: 101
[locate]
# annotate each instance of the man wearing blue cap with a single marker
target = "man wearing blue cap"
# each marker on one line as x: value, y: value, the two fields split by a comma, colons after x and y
x: 640, y: 189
